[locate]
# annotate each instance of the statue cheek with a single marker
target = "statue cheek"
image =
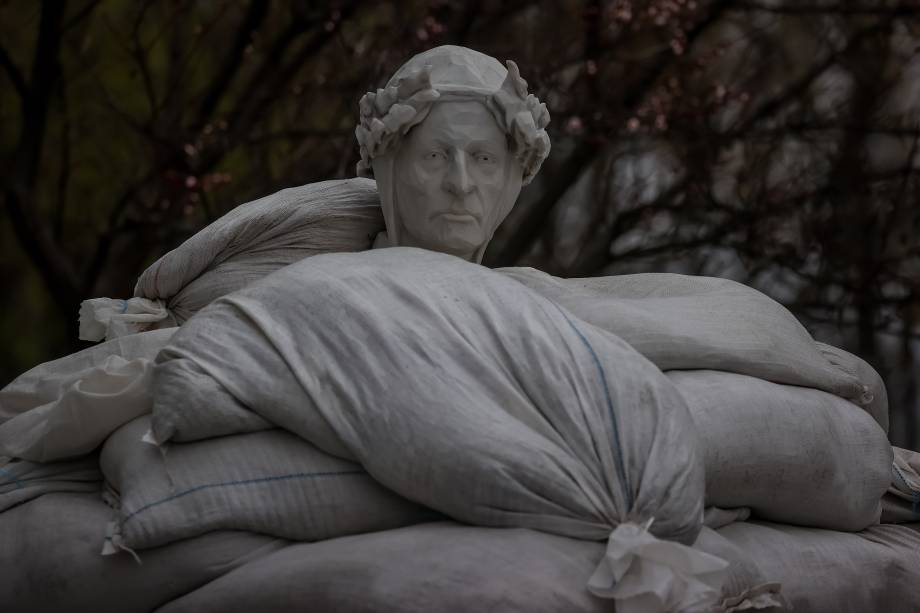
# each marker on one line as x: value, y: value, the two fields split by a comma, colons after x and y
x: 424, y: 180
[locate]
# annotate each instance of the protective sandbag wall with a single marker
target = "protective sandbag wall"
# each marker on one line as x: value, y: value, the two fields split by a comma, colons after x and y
x: 438, y: 411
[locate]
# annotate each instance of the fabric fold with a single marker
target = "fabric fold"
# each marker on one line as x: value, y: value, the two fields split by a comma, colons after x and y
x: 644, y: 574
x: 109, y: 318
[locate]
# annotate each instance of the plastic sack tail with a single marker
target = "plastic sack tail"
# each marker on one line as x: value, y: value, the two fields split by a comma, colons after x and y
x: 114, y: 543
x: 108, y: 318
x: 644, y: 574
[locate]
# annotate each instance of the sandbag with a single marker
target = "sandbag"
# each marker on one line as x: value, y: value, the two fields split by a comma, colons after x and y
x: 51, y: 563
x: 791, y: 454
x: 47, y: 382
x: 261, y: 236
x: 66, y: 408
x: 454, y: 386
x: 445, y: 567
x: 685, y: 322
x: 270, y: 482
x: 824, y: 571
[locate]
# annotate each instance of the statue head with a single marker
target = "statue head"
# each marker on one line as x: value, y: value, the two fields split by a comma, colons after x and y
x: 451, y: 140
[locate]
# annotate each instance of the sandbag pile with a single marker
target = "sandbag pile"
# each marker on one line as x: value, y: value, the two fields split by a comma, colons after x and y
x: 226, y: 571
x: 455, y: 387
x: 796, y: 431
x: 386, y: 388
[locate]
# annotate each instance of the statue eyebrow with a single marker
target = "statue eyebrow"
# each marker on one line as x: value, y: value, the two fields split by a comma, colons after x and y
x: 478, y: 142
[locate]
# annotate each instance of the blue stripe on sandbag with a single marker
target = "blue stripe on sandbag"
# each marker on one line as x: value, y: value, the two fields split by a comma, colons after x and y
x: 206, y: 486
x: 615, y: 430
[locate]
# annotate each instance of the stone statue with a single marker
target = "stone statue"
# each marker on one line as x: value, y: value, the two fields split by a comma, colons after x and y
x: 451, y: 140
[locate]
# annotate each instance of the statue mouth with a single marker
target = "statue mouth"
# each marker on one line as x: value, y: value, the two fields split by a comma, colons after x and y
x: 458, y: 217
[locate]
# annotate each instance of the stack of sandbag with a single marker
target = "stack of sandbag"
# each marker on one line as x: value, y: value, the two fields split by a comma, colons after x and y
x: 51, y: 562
x: 791, y: 429
x: 677, y: 321
x: 442, y: 566
x: 766, y: 442
x: 54, y: 417
x: 460, y: 389
x: 242, y: 246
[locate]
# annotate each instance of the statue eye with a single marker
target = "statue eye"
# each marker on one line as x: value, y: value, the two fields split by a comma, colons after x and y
x: 485, y: 158
x: 435, y: 156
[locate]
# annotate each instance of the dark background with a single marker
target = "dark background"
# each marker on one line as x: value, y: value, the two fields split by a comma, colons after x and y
x: 772, y: 142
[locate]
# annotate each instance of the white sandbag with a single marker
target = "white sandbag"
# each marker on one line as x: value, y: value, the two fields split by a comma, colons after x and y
x: 261, y: 236
x: 21, y: 480
x: 447, y: 568
x: 67, y: 408
x: 51, y: 563
x: 824, y: 571
x: 47, y: 382
x: 270, y: 482
x: 104, y: 398
x: 454, y: 386
x: 684, y: 322
x: 791, y: 454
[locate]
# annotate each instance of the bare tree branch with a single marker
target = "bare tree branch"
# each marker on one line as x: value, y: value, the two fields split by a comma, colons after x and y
x: 13, y: 73
x: 81, y: 15
x: 255, y: 15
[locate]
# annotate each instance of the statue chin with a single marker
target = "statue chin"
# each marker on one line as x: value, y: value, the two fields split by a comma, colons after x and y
x: 459, y: 241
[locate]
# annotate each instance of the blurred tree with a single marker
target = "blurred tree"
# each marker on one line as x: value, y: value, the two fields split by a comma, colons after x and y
x: 776, y: 142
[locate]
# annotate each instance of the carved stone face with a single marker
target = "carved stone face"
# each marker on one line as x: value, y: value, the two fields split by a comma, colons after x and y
x: 450, y: 176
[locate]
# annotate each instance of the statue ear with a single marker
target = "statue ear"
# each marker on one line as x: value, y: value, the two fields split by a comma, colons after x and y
x: 383, y: 166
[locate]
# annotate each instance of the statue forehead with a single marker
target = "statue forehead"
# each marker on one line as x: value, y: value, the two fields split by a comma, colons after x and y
x: 459, y: 122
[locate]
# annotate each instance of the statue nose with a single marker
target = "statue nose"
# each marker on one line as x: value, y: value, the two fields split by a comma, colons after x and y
x: 457, y: 180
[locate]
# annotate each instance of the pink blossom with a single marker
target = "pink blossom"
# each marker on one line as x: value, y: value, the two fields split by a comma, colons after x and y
x: 574, y: 125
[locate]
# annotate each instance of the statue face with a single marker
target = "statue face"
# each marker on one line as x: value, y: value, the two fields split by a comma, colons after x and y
x: 450, y: 174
